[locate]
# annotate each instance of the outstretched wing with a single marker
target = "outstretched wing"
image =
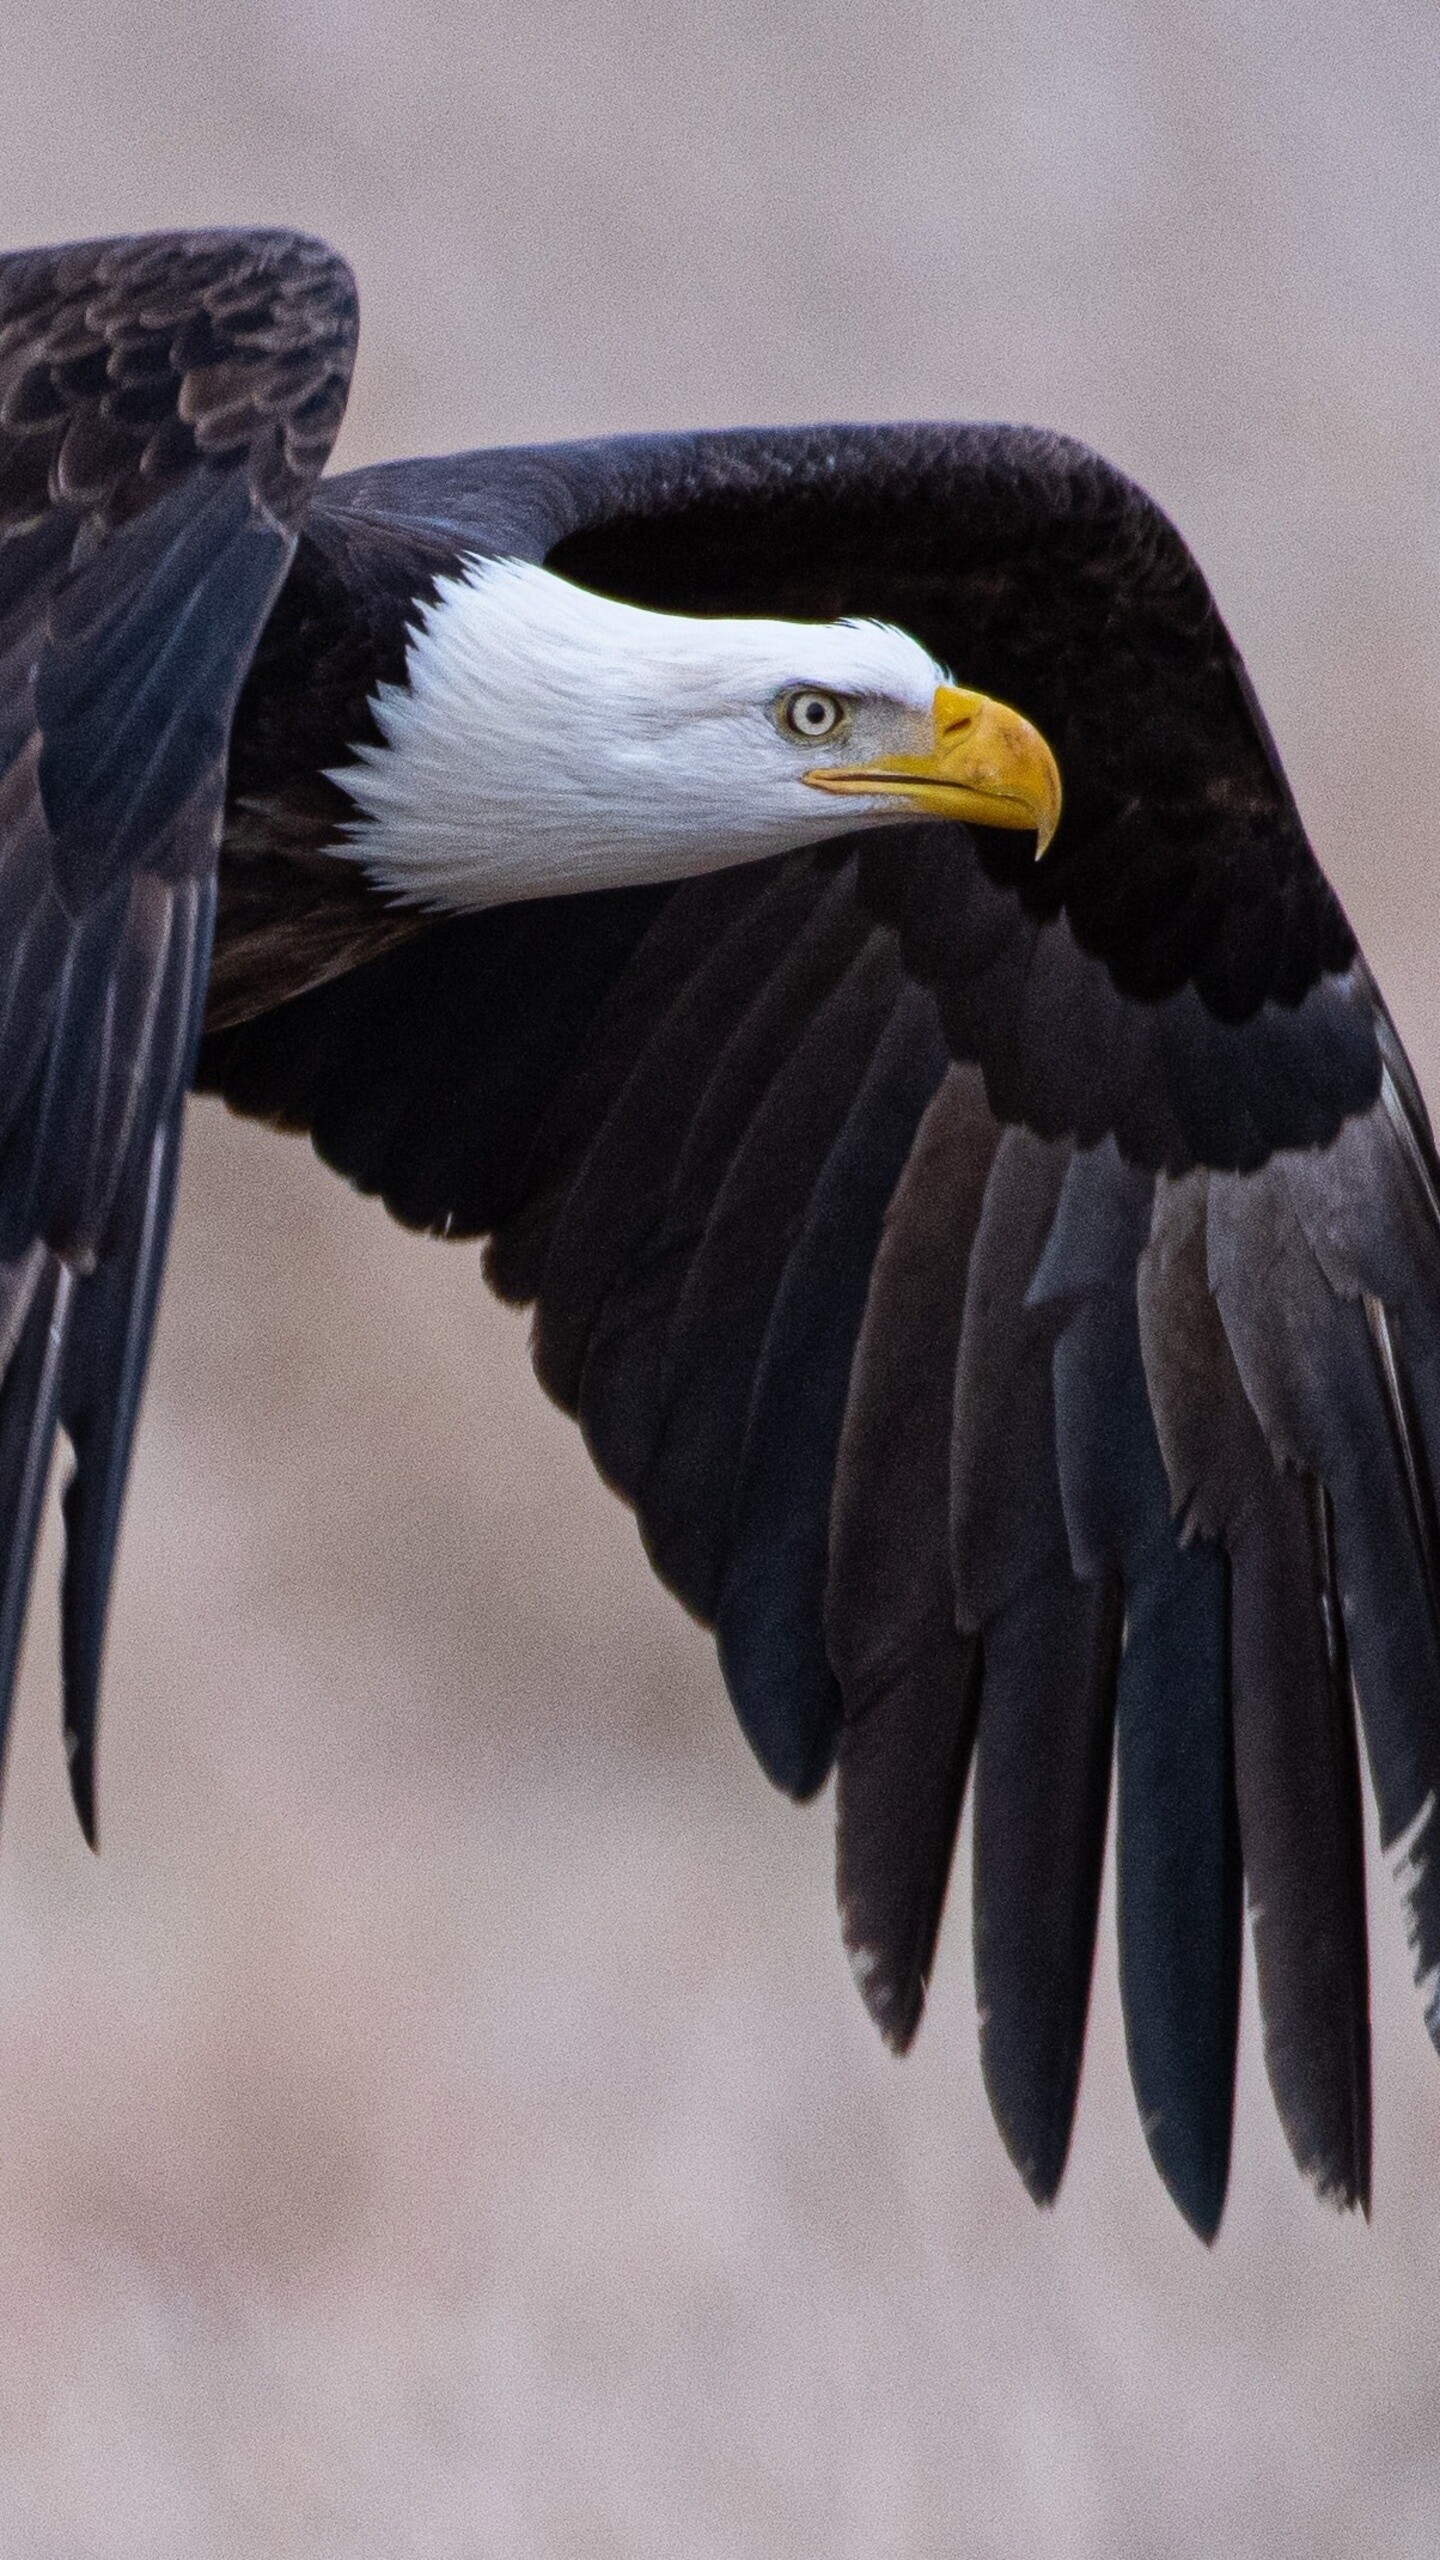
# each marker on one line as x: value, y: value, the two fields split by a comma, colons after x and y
x: 165, y: 405
x: 1010, y: 1296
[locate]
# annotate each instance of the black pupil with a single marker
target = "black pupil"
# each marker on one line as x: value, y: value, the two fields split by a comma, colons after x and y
x: 814, y: 714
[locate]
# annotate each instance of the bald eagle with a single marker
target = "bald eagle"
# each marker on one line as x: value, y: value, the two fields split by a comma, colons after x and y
x: 825, y: 907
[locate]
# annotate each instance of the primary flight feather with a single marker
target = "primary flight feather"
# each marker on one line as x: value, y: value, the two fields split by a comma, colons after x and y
x: 825, y: 906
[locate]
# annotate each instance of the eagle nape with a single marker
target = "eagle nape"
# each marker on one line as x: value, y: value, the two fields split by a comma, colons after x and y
x: 1007, y: 1291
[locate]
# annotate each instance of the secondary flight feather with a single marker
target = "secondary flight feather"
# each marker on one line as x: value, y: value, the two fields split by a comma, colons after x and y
x: 824, y: 906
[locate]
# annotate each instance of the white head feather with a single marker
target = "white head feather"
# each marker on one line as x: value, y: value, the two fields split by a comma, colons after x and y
x: 549, y: 740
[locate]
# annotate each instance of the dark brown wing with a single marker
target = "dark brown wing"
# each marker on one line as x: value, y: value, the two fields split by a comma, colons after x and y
x: 165, y: 405
x: 1007, y: 1296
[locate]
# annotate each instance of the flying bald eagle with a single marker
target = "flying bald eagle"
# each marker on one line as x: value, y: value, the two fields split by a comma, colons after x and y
x: 996, y: 1251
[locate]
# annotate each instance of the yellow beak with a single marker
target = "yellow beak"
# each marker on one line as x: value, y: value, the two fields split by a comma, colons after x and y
x: 987, y: 764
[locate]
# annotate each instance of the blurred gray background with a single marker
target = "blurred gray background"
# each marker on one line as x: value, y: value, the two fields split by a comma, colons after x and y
x: 442, y: 2123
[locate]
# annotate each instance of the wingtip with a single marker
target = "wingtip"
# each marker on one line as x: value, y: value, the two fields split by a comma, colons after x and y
x: 1343, y: 2185
x: 1196, y: 2179
x: 894, y: 1998
x: 1343, y: 2197
x: 1037, y: 2140
x: 80, y: 1761
x: 1202, y: 2215
x: 788, y: 1707
x: 1041, y: 2177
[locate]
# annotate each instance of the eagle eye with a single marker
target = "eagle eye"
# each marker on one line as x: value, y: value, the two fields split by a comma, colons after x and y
x: 810, y: 714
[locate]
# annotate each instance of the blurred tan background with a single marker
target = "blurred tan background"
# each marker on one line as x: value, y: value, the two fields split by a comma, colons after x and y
x: 441, y: 2124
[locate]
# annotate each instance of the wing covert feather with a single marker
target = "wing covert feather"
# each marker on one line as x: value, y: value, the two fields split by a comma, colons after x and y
x: 1050, y: 1644
x: 1296, y: 1770
x: 909, y: 1674
x: 770, y: 1621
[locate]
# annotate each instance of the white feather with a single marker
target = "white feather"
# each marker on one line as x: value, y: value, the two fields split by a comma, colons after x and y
x: 548, y: 740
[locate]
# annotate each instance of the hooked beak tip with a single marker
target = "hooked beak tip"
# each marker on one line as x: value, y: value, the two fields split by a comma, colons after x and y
x: 988, y: 765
